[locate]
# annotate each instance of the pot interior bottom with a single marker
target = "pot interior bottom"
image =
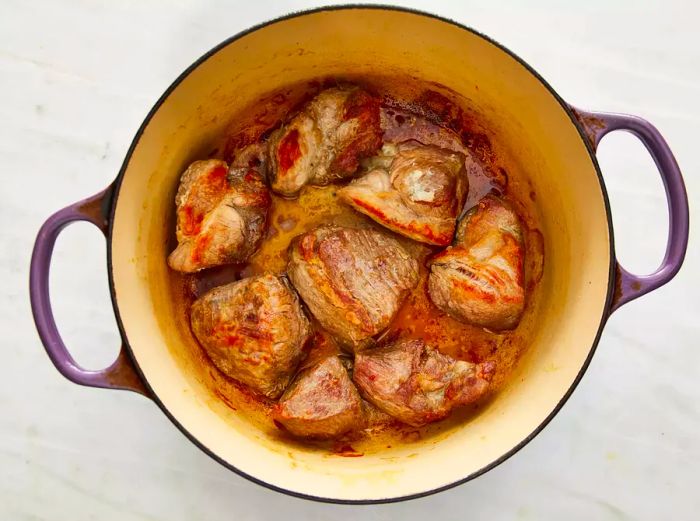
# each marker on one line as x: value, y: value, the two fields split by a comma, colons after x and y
x: 410, y: 110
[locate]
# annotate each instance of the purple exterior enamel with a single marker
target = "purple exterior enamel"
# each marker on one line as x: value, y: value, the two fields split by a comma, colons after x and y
x: 630, y: 286
x: 121, y: 374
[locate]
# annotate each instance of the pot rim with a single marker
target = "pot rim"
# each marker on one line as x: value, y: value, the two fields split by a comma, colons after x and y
x: 116, y: 185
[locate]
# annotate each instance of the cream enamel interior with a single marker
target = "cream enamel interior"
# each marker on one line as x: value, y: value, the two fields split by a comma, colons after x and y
x: 540, y: 135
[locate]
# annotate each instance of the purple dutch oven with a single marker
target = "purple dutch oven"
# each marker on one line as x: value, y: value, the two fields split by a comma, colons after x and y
x: 582, y: 282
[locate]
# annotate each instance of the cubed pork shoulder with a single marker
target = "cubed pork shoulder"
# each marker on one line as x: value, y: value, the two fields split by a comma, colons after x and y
x: 221, y: 215
x: 325, y: 141
x: 352, y: 280
x: 253, y: 330
x: 417, y: 384
x: 479, y: 280
x: 413, y: 189
x: 322, y: 402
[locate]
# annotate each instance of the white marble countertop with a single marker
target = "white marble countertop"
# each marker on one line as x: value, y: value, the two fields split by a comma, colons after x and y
x: 76, y: 80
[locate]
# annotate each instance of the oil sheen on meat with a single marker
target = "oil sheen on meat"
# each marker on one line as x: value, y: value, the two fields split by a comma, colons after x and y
x: 322, y: 402
x: 413, y: 189
x: 416, y: 383
x: 480, y: 279
x: 253, y: 330
x: 353, y: 280
x: 221, y: 215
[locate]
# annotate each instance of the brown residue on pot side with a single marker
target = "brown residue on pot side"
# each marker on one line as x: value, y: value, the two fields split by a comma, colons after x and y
x: 592, y: 126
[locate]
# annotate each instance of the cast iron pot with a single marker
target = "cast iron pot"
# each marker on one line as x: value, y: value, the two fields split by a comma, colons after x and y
x: 582, y: 282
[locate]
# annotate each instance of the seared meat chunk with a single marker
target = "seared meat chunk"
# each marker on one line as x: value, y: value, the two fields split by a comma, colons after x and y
x: 221, y: 215
x: 413, y: 189
x: 417, y: 384
x: 295, y: 151
x: 325, y: 141
x: 352, y: 280
x: 253, y: 330
x: 480, y: 279
x: 322, y: 402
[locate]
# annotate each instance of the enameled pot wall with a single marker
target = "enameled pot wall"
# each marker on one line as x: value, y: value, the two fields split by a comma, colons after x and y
x: 554, y: 145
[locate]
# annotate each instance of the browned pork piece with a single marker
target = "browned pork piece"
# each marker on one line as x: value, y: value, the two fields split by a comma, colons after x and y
x: 480, y: 279
x: 413, y: 189
x: 325, y: 141
x: 417, y: 384
x: 221, y: 215
x: 322, y: 402
x: 253, y: 330
x: 352, y: 280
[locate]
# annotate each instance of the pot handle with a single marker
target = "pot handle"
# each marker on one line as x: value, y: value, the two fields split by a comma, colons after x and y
x: 629, y: 286
x: 121, y: 374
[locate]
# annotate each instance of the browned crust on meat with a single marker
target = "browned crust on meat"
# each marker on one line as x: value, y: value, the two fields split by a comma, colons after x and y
x: 480, y: 280
x: 417, y: 384
x: 352, y: 280
x: 321, y: 403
